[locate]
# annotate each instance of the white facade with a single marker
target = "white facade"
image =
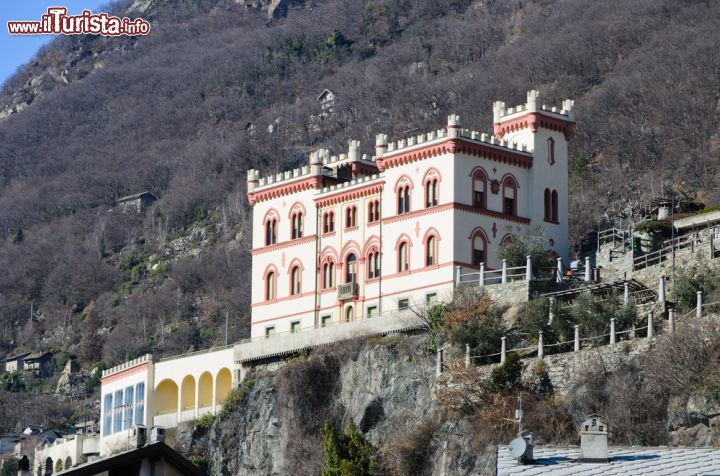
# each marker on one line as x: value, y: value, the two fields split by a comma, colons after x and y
x: 163, y: 393
x: 467, y: 193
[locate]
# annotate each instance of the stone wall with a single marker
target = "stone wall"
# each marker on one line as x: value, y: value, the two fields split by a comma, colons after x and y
x: 564, y: 369
x: 508, y: 294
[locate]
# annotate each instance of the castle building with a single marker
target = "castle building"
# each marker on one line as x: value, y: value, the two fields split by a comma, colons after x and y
x: 358, y: 240
x: 352, y: 237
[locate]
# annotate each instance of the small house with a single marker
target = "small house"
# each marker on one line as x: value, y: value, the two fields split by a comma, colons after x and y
x: 40, y: 363
x: 15, y: 363
x: 327, y: 101
x: 138, y: 202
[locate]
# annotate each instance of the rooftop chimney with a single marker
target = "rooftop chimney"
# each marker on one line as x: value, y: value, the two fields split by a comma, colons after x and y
x: 593, y: 440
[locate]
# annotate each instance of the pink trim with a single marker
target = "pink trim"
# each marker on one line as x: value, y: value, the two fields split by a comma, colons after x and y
x: 295, y: 262
x: 401, y: 238
x: 456, y: 206
x: 351, y: 195
x: 294, y: 207
x: 283, y: 299
x: 350, y: 247
x: 123, y: 374
x: 511, y: 177
x: 328, y: 252
x: 371, y: 244
x: 403, y: 180
x: 352, y: 228
x: 282, y: 189
x: 284, y: 244
x: 506, y: 238
x: 271, y: 213
x: 534, y: 120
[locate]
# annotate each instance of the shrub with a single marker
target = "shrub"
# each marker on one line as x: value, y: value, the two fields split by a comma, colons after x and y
x: 506, y: 377
x: 409, y: 445
x: 205, y: 422
x: 695, y: 276
x: 347, y: 454
x: 235, y: 399
x: 200, y: 461
x: 515, y: 251
x: 663, y: 228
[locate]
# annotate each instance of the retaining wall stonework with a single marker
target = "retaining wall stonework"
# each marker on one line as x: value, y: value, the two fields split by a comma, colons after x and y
x: 564, y: 369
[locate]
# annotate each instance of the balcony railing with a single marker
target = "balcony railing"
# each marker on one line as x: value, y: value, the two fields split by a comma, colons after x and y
x: 347, y: 291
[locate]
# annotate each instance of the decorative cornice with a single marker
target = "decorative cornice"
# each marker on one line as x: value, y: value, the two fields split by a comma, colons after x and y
x: 457, y: 206
x: 456, y: 145
x: 284, y: 244
x: 349, y: 195
x: 534, y: 120
x: 283, y: 188
x: 125, y: 373
x: 491, y: 213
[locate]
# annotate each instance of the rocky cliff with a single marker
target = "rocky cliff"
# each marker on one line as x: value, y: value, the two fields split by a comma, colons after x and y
x: 383, y: 385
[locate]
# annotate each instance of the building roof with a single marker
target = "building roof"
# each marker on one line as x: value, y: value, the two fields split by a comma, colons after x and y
x: 324, y: 94
x: 16, y: 356
x: 127, y: 463
x: 136, y: 195
x: 635, y: 460
x: 37, y: 355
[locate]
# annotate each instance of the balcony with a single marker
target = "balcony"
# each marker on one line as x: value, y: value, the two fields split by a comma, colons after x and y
x: 347, y: 291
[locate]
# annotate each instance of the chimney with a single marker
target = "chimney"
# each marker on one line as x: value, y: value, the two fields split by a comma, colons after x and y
x: 593, y: 440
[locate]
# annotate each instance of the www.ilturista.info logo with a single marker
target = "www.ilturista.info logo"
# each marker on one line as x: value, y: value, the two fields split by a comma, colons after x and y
x: 57, y: 21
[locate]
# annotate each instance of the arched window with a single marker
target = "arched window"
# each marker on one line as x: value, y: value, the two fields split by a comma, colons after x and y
x: 351, y: 268
x: 479, y: 245
x: 328, y: 222
x: 297, y: 225
x: 403, y: 197
x: 270, y: 286
x: 373, y: 211
x: 431, y: 251
x: 349, y: 314
x: 480, y: 189
x: 295, y: 281
x: 431, y: 193
x: 271, y: 232
x: 509, y: 196
x: 328, y: 275
x: 555, y: 216
x: 403, y: 257
x: 551, y: 150
x: 548, y: 206
x: 350, y: 216
x: 374, y: 265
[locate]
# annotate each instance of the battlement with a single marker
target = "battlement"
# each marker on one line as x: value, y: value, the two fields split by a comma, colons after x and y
x: 126, y: 365
x: 501, y: 113
x: 346, y: 185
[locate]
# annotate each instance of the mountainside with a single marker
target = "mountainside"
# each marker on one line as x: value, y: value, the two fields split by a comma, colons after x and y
x: 218, y: 88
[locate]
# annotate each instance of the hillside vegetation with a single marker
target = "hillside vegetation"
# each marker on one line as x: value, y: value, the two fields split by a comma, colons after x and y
x: 218, y: 88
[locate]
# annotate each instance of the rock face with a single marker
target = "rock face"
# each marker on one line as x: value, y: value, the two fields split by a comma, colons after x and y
x: 383, y: 386
x: 694, y: 421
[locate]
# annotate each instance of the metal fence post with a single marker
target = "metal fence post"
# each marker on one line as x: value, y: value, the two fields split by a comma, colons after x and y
x: 503, y: 276
x: 457, y: 275
x: 650, y: 325
x: 698, y: 309
x: 503, y: 349
x: 481, y: 279
x: 671, y: 320
x: 467, y: 355
x: 612, y: 331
